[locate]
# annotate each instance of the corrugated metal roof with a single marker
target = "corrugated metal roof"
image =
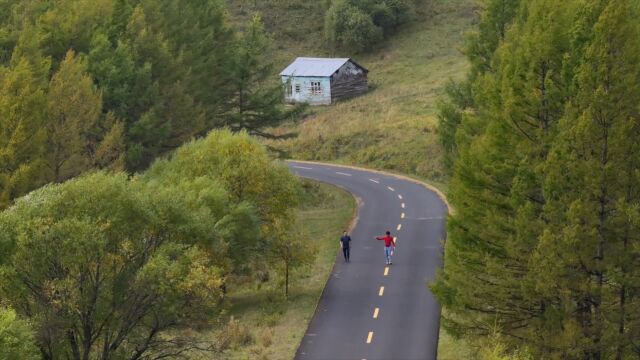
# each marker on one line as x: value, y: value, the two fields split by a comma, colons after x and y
x: 305, y: 66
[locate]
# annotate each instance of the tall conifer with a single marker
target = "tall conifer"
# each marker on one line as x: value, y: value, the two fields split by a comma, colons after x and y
x: 496, y: 188
x: 256, y: 101
x: 22, y: 135
x: 74, y: 107
x: 590, y: 251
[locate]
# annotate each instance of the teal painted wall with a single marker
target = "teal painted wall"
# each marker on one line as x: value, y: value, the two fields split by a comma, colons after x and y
x: 302, y: 90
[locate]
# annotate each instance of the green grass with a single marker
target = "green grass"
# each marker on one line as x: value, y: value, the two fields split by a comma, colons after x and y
x: 450, y: 348
x: 265, y: 325
x: 393, y: 127
x: 296, y: 26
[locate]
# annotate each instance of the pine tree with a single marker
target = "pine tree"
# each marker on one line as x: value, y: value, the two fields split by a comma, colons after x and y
x: 497, y: 17
x: 174, y: 117
x: 593, y: 187
x: 108, y: 152
x: 456, y: 127
x: 496, y: 186
x: 22, y: 135
x: 543, y: 245
x: 74, y: 107
x: 257, y: 101
x: 198, y: 33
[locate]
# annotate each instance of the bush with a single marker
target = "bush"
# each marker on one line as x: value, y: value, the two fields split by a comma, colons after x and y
x: 234, y: 335
x: 348, y: 27
x: 359, y: 24
x: 16, y: 337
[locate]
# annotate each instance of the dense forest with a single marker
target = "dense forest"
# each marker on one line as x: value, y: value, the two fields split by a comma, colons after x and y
x: 126, y: 218
x: 542, y: 142
x: 112, y: 84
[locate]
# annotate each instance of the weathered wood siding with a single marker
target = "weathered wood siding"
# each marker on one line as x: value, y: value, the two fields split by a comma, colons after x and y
x: 302, y: 90
x: 348, y: 81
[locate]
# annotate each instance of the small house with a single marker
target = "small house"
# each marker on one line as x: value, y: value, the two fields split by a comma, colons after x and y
x: 323, y: 81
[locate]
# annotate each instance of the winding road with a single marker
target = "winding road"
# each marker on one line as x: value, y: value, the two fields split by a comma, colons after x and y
x: 369, y: 310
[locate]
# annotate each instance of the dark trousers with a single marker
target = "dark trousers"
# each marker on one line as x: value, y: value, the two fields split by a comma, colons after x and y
x: 345, y: 252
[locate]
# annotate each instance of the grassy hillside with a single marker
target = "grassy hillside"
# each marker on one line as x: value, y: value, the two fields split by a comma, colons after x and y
x: 392, y: 127
x: 296, y: 26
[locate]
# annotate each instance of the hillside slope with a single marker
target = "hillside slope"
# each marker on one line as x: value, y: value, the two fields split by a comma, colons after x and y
x: 393, y: 127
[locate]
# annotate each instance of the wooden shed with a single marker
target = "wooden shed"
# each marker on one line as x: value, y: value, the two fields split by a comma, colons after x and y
x: 322, y: 81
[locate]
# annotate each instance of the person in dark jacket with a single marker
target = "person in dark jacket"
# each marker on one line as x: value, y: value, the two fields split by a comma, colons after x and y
x: 345, y: 242
x: 389, y: 246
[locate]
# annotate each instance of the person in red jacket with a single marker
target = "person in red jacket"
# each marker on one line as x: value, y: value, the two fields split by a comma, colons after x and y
x: 389, y: 246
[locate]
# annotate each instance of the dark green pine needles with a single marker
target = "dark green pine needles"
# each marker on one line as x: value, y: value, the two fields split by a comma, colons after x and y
x: 544, y: 248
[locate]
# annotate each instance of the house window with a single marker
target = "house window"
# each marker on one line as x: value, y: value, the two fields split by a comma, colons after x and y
x: 316, y: 89
x: 297, y: 88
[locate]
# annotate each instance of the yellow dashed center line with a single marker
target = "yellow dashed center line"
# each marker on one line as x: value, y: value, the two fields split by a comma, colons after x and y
x: 370, y: 337
x: 375, y: 313
x: 381, y: 292
x: 386, y: 271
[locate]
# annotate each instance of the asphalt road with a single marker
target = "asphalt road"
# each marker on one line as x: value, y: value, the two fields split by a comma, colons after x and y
x: 369, y: 310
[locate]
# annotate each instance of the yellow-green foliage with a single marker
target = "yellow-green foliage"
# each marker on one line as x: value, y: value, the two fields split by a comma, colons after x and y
x: 450, y: 348
x: 144, y: 257
x: 242, y: 165
x: 16, y: 337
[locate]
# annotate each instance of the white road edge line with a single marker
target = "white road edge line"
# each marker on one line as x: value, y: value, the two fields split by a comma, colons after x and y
x: 341, y: 173
x: 302, y: 167
x: 369, y: 337
x: 375, y: 181
x: 390, y: 188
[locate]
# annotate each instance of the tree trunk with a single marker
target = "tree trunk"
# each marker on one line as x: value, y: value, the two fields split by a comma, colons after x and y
x: 286, y: 280
x: 623, y: 299
x: 73, y: 344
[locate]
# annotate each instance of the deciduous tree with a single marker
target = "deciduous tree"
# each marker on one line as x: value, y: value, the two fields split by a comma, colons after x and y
x: 105, y: 268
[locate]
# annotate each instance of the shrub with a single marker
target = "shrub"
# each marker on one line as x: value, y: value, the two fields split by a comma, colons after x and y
x: 234, y: 335
x: 349, y: 27
x: 16, y: 337
x: 359, y: 24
